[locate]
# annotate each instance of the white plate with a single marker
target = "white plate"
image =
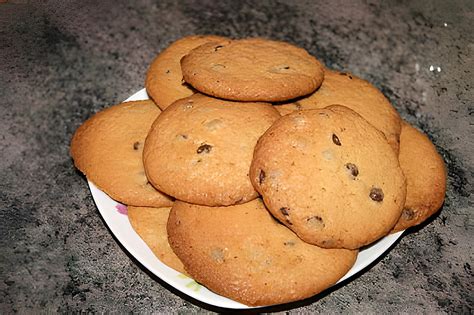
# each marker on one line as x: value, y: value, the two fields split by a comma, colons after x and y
x: 115, y: 216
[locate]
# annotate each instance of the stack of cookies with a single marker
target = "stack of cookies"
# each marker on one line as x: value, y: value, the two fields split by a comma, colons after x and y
x: 257, y: 171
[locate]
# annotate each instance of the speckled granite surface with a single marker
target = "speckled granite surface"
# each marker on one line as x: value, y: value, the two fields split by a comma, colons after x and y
x: 61, y: 61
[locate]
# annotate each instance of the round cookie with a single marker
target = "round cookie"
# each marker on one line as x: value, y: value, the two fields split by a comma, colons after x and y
x: 253, y: 69
x: 330, y: 176
x: 200, y: 148
x: 425, y: 173
x: 242, y: 253
x: 150, y: 225
x: 357, y: 94
x: 108, y: 148
x: 164, y: 80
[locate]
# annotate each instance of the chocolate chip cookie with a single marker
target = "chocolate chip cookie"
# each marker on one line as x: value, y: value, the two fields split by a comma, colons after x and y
x: 359, y: 95
x: 200, y: 148
x: 164, y: 79
x: 150, y: 225
x: 425, y: 173
x: 108, y: 148
x: 253, y: 69
x: 242, y: 253
x: 330, y: 176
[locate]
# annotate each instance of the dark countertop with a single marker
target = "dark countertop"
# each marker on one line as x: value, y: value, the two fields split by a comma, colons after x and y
x: 62, y: 61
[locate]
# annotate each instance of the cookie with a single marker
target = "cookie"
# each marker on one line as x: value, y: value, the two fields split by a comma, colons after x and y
x: 330, y: 176
x: 425, y: 173
x: 357, y: 94
x: 150, y: 225
x: 164, y: 80
x: 108, y: 148
x: 253, y: 69
x: 200, y: 148
x: 242, y: 253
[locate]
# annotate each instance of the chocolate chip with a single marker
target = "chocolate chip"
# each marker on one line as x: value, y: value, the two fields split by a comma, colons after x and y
x: 408, y: 214
x: 206, y: 148
x: 335, y: 139
x: 136, y: 145
x: 376, y: 194
x: 261, y: 177
x: 346, y: 74
x: 284, y: 211
x: 218, y: 47
x: 315, y: 222
x: 352, y: 168
x: 279, y: 69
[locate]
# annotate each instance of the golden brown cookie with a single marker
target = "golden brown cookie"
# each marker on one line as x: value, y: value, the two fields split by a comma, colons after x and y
x: 253, y: 69
x: 108, y: 148
x: 357, y: 94
x: 242, y: 253
x: 164, y: 80
x: 330, y: 176
x: 150, y: 225
x: 200, y: 148
x: 425, y: 173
